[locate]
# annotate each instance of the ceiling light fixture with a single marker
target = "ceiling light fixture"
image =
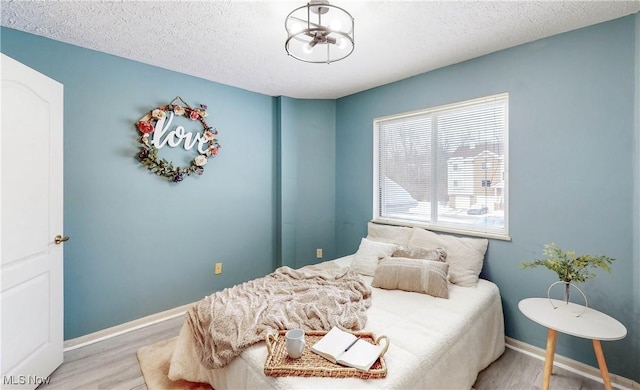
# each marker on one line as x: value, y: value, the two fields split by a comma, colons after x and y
x: 319, y: 33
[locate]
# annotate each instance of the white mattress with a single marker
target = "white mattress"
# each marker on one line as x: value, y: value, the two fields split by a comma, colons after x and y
x: 434, y: 344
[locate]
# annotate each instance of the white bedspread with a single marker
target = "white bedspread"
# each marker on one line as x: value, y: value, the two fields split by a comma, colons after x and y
x: 434, y: 344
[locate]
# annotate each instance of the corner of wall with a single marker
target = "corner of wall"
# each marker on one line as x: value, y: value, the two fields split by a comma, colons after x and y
x: 277, y: 136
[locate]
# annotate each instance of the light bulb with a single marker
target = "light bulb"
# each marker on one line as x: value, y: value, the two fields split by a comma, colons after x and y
x: 307, y: 48
x: 341, y: 43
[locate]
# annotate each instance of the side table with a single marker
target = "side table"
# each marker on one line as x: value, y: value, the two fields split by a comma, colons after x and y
x: 591, y: 324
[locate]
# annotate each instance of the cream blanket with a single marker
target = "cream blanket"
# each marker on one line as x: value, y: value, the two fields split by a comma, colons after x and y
x: 226, y: 322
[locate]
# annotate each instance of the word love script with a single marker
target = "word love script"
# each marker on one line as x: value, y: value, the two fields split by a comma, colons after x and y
x: 176, y: 137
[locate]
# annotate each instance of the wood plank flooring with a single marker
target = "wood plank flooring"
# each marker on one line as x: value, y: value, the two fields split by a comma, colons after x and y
x: 516, y: 370
x: 112, y: 364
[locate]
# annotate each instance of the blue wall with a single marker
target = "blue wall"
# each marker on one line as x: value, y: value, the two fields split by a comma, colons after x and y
x: 572, y: 105
x: 307, y: 175
x: 140, y: 244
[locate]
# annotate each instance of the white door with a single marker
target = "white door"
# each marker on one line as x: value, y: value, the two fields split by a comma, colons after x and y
x: 31, y: 217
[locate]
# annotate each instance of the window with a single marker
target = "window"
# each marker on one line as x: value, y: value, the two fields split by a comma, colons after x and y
x: 445, y: 168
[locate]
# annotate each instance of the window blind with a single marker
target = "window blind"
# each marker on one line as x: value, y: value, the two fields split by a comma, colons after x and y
x: 445, y: 167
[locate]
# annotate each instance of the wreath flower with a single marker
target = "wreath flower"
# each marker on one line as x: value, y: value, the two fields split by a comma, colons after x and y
x: 145, y: 127
x: 194, y: 115
x: 148, y: 153
x: 178, y: 110
x: 158, y: 114
x: 200, y: 160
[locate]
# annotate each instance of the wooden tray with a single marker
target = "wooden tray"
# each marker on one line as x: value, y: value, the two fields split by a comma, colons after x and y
x: 311, y: 365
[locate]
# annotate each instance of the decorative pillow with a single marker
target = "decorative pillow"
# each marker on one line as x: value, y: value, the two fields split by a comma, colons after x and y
x: 369, y: 253
x: 398, y: 235
x: 465, y: 255
x: 437, y: 254
x: 422, y: 276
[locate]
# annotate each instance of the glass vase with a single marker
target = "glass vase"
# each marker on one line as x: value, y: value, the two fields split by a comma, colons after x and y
x: 567, y: 305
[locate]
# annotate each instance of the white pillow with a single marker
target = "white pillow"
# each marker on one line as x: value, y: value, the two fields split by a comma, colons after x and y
x: 398, y: 235
x: 369, y: 253
x: 465, y: 255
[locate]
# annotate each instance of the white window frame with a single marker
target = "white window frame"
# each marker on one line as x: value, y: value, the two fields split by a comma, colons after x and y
x: 464, y: 229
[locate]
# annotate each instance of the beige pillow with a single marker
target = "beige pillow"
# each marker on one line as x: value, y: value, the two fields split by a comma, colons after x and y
x: 398, y: 235
x: 465, y: 255
x: 437, y: 254
x: 416, y: 275
x: 369, y: 253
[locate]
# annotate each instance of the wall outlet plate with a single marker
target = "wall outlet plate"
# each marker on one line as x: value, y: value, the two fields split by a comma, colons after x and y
x: 217, y: 269
x: 319, y: 253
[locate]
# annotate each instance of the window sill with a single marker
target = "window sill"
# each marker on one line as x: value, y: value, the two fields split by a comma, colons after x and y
x: 443, y: 229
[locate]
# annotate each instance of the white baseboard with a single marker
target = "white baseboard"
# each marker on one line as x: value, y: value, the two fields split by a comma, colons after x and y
x: 574, y: 366
x: 108, y: 333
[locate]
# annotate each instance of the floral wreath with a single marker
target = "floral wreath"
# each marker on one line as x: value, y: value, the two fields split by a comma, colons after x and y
x: 148, y: 153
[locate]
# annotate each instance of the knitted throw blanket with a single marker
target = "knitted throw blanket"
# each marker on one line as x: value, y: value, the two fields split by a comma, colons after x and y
x: 226, y: 322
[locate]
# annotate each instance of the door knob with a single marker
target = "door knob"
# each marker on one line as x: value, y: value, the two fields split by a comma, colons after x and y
x: 59, y: 239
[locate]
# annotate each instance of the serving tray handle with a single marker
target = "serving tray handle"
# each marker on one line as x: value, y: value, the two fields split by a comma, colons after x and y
x: 270, y: 338
x: 386, y: 344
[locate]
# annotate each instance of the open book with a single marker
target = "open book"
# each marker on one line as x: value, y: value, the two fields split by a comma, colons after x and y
x: 344, y: 348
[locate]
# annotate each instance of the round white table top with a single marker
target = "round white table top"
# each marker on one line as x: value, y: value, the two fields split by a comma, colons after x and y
x: 591, y: 324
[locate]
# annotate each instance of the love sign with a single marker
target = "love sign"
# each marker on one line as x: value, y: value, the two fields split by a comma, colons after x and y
x: 162, y: 136
x: 157, y: 132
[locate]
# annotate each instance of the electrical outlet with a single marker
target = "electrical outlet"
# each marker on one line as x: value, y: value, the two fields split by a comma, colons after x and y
x: 217, y: 269
x: 319, y: 253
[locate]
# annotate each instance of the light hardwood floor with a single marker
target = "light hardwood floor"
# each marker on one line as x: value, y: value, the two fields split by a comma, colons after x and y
x: 112, y: 364
x: 516, y: 370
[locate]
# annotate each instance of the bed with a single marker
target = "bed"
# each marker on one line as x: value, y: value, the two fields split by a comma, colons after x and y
x: 435, y: 342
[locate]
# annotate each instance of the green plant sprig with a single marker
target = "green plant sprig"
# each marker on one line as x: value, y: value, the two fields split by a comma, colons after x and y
x: 568, y: 266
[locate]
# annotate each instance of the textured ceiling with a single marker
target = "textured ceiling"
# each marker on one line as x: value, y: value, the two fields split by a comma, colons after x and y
x: 241, y: 43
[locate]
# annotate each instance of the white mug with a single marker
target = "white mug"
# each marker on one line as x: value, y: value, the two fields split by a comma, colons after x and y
x: 295, y: 343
